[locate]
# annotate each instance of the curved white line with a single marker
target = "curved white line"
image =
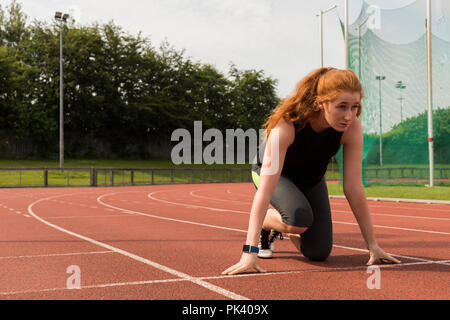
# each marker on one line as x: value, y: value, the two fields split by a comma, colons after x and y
x: 99, y: 200
x: 244, y: 231
x: 55, y: 255
x: 182, y: 275
x: 242, y: 275
x: 400, y: 200
x: 161, y: 267
x: 216, y: 199
x: 396, y: 215
x: 396, y: 228
x: 339, y: 222
x: 150, y: 195
x: 387, y: 205
x: 134, y: 283
x: 342, y: 211
x: 238, y: 194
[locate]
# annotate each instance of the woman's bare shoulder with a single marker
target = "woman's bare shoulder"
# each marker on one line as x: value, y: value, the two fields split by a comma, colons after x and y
x: 353, y: 133
x: 286, y: 131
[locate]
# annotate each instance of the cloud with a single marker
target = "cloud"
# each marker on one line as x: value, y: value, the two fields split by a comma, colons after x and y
x: 279, y: 37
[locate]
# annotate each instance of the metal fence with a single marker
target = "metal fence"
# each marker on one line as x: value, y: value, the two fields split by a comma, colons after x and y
x: 406, y: 175
x: 115, y: 177
x: 85, y: 177
x: 105, y: 177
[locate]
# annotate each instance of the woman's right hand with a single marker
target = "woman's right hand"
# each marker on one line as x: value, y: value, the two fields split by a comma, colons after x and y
x: 248, y: 261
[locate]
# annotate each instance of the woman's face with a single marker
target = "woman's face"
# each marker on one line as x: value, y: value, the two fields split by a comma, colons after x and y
x: 341, y: 112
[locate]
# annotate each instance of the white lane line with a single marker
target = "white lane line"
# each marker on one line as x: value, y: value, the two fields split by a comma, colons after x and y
x: 395, y: 215
x: 108, y: 285
x: 231, y: 229
x: 244, y: 275
x: 396, y: 255
x: 398, y: 200
x: 100, y: 200
x: 249, y: 197
x: 56, y: 255
x: 14, y: 196
x: 156, y: 265
x: 75, y: 217
x: 396, y: 228
x: 192, y: 193
x: 364, y: 267
x: 387, y: 206
x: 385, y: 202
x: 150, y: 195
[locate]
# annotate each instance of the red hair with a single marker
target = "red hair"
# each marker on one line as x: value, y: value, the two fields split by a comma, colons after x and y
x: 321, y: 85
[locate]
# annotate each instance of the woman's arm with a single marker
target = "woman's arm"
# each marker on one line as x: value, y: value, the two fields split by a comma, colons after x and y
x: 276, y: 146
x: 354, y: 190
x: 279, y: 140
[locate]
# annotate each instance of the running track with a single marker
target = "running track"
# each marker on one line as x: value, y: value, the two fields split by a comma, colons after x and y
x: 172, y: 243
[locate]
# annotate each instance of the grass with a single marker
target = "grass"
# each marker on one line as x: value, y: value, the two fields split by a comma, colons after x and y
x: 107, y: 163
x: 110, y: 177
x: 404, y: 192
x: 416, y: 166
x: 36, y: 178
x: 82, y: 177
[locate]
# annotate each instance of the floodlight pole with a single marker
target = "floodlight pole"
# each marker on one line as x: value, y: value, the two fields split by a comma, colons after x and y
x: 62, y: 19
x: 430, y: 97
x: 358, y: 28
x: 320, y: 15
x: 401, y: 86
x: 61, y: 100
x: 401, y: 106
x: 346, y: 33
x: 380, y: 78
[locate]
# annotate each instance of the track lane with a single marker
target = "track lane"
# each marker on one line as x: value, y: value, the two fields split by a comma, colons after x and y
x: 102, y: 221
x: 160, y: 267
x: 392, y: 217
x: 353, y: 227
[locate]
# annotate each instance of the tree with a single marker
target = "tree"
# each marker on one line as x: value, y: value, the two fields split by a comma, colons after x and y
x: 254, y: 97
x: 121, y: 95
x: 14, y: 29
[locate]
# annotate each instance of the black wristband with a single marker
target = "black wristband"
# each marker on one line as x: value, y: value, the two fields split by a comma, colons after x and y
x: 250, y: 249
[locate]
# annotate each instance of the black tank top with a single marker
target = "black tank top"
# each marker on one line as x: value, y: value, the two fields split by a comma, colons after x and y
x: 308, y: 156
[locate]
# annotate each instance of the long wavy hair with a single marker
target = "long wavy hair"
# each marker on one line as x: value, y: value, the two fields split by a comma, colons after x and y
x: 321, y: 85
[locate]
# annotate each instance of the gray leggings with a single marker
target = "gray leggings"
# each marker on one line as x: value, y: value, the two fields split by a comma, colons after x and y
x: 308, y: 208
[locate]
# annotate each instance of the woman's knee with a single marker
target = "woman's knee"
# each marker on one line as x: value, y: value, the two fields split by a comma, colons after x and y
x: 295, y: 230
x: 300, y: 219
x: 317, y: 253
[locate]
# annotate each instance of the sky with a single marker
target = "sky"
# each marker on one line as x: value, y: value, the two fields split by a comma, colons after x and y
x: 280, y: 37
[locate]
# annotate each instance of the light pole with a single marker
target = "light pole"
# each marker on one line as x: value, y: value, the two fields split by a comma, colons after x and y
x: 320, y: 15
x: 400, y: 86
x: 380, y: 78
x: 61, y: 18
x: 430, y: 96
x: 346, y: 32
x: 358, y: 28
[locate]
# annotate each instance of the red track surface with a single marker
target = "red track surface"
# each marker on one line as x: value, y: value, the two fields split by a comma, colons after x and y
x: 173, y: 242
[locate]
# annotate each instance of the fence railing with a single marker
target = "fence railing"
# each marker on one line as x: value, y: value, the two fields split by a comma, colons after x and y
x: 79, y: 177
x: 114, y: 177
x: 104, y: 177
x: 405, y: 174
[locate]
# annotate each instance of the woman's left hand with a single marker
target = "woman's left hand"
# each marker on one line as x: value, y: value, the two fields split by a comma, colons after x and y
x: 377, y: 254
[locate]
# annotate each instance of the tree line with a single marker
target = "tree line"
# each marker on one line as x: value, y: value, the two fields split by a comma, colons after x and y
x: 407, y: 142
x: 123, y: 97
